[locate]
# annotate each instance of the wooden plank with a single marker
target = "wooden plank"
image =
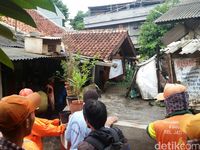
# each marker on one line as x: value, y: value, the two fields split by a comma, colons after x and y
x: 174, y: 34
x: 133, y: 81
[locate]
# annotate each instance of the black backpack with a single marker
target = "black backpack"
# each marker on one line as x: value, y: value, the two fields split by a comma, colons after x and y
x: 119, y: 143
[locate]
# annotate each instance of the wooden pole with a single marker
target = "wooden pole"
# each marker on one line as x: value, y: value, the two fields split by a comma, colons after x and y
x: 133, y: 81
x: 158, y: 67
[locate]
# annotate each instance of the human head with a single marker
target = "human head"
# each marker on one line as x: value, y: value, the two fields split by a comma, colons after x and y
x: 95, y: 114
x: 25, y: 92
x: 17, y: 113
x: 175, y: 98
x: 90, y: 95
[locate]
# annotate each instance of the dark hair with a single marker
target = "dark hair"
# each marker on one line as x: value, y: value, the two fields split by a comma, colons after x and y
x: 96, y: 114
x: 90, y: 95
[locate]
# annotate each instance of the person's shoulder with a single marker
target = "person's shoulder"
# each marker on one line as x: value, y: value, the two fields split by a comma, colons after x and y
x: 76, y: 117
x: 76, y: 114
x: 85, y: 146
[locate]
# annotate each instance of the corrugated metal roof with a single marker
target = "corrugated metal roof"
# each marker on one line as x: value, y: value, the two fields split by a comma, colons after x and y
x: 187, y: 9
x: 186, y: 46
x: 20, y: 54
x: 9, y: 43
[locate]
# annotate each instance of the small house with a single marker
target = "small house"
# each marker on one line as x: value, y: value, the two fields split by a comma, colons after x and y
x: 108, y: 46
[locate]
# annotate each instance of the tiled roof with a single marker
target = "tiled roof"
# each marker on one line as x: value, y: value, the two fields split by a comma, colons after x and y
x: 20, y: 26
x: 101, y: 43
x: 187, y: 9
x: 44, y: 25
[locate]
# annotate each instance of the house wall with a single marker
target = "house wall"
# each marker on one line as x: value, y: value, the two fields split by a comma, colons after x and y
x: 45, y: 48
x: 197, y: 32
x: 176, y: 33
x: 189, y: 29
x: 32, y: 74
x: 39, y: 46
x: 132, y: 28
x: 58, y: 48
x: 187, y: 70
x: 193, y: 26
x: 130, y: 19
x: 33, y: 45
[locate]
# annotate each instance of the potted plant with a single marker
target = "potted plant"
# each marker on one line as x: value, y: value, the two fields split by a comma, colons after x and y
x: 80, y: 74
x: 68, y: 67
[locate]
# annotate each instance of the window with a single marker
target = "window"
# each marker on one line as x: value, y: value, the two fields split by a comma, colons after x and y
x: 51, y: 48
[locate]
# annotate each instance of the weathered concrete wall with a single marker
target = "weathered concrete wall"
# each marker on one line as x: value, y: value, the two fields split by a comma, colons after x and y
x: 136, y: 135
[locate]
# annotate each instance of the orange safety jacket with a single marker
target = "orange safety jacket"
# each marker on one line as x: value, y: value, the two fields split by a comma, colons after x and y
x: 168, y: 134
x: 42, y: 128
x: 29, y: 145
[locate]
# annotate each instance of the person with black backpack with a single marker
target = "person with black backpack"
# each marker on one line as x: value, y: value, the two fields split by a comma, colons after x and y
x: 101, y: 138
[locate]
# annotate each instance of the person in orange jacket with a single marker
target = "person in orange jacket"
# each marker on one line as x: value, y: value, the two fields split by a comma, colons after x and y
x: 41, y: 128
x: 167, y: 132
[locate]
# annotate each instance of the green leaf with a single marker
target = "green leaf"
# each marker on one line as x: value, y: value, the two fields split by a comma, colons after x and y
x: 10, y: 9
x: 5, y: 32
x: 5, y: 60
x: 24, y: 4
x: 33, y: 4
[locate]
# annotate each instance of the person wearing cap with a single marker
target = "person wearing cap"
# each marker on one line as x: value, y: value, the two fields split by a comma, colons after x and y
x: 41, y: 128
x: 16, y: 119
x: 77, y: 128
x: 167, y: 132
x: 190, y: 126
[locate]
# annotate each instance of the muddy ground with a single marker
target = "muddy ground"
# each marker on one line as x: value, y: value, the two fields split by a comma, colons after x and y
x: 132, y: 110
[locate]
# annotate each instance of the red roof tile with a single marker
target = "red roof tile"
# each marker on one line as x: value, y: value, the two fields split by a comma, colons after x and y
x: 20, y: 26
x: 101, y: 43
x: 45, y: 26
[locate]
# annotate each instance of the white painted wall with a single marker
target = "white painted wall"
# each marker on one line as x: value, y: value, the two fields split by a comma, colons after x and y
x: 33, y: 45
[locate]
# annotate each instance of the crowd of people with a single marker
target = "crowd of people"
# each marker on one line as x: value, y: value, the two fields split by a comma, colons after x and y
x: 91, y: 128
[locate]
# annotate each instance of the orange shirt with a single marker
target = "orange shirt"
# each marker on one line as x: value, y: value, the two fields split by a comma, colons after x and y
x: 42, y: 128
x: 30, y: 145
x: 168, y: 134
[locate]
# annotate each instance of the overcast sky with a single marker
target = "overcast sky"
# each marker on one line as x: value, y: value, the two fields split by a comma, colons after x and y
x: 75, y: 5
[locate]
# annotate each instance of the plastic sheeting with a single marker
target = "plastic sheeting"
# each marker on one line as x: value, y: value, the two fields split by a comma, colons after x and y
x: 146, y: 79
x: 116, y: 71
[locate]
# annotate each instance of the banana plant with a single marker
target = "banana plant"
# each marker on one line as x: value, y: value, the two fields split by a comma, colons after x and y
x: 16, y: 9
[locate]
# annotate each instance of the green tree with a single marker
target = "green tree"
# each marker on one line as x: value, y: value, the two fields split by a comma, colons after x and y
x: 150, y: 33
x: 16, y: 9
x: 62, y: 7
x: 77, y: 23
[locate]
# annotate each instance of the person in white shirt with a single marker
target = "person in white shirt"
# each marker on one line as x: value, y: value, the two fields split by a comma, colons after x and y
x: 77, y: 128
